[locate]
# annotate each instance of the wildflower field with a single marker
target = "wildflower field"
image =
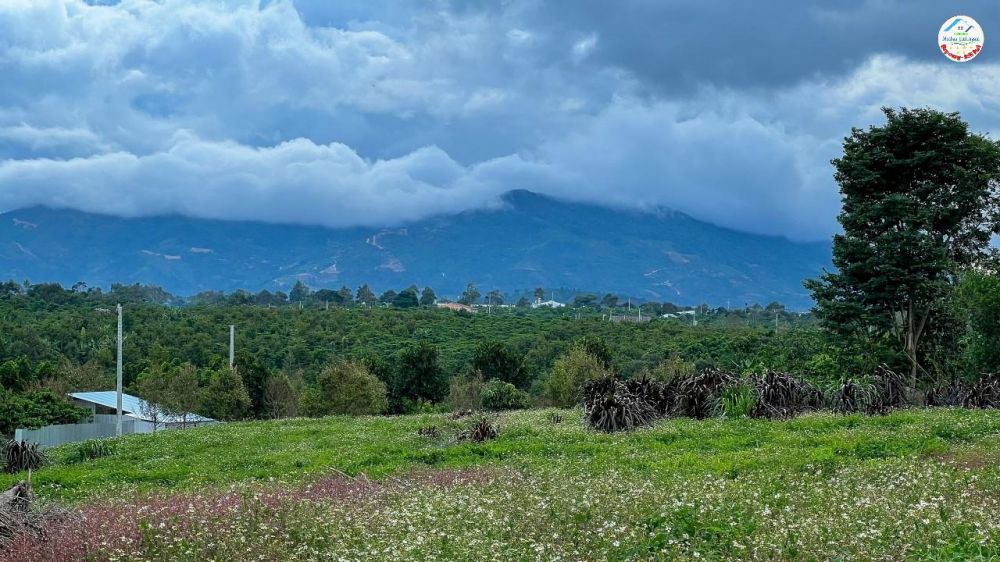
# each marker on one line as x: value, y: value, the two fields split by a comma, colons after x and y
x: 919, y: 484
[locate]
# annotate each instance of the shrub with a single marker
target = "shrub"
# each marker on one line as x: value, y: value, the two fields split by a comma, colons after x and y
x: 738, y: 401
x: 36, y: 409
x: 948, y: 394
x: 699, y: 396
x: 495, y: 360
x: 780, y: 396
x: 226, y: 398
x: 500, y: 395
x: 419, y: 374
x: 21, y: 455
x: 984, y: 393
x: 888, y: 392
x: 555, y: 418
x: 428, y: 431
x: 465, y: 393
x: 610, y: 406
x: 569, y: 373
x: 91, y: 449
x: 482, y: 429
x: 849, y: 397
x: 655, y: 393
x: 347, y: 388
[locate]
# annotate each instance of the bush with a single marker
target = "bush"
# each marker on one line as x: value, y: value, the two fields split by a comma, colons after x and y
x: 36, y: 409
x: 779, y: 396
x: 888, y: 392
x: 21, y: 455
x: 465, y: 393
x: 610, y: 406
x: 91, y: 449
x: 699, y: 396
x: 419, y: 374
x: 655, y: 393
x: 849, y: 397
x: 984, y: 393
x: 482, y: 429
x: 345, y: 389
x: 738, y: 401
x: 495, y: 360
x: 569, y: 374
x: 226, y: 398
x: 500, y: 395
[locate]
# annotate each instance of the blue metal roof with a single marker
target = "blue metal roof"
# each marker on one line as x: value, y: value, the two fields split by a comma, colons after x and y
x: 130, y: 405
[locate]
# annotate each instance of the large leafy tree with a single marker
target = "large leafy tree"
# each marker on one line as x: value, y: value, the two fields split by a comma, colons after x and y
x: 496, y: 360
x: 919, y: 204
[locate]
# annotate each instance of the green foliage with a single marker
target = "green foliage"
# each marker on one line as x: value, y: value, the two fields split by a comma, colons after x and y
x: 470, y: 295
x: 419, y: 374
x: 465, y: 393
x: 345, y: 389
x: 89, y: 450
x: 496, y: 360
x: 501, y: 395
x: 169, y: 390
x: 738, y: 401
x: 481, y: 429
x: 226, y: 398
x: 19, y: 456
x: 255, y: 377
x: 569, y: 373
x: 598, y: 349
x: 979, y: 297
x: 406, y: 299
x: 920, y: 198
x: 700, y: 395
x: 36, y: 409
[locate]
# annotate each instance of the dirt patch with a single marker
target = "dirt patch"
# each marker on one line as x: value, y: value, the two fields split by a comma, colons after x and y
x: 965, y: 460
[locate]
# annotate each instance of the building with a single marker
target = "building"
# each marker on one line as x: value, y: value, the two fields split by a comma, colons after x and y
x: 539, y: 303
x: 455, y: 306
x: 105, y: 402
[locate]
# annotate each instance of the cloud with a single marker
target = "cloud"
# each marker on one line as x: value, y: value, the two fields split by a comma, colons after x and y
x: 376, y: 113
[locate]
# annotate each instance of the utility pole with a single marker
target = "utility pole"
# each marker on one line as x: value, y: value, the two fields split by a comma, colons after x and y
x: 118, y: 425
x: 232, y: 345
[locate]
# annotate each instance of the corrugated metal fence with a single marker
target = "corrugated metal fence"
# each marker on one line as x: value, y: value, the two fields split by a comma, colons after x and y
x: 103, y: 426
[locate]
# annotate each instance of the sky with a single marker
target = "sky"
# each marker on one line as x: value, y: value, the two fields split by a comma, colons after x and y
x: 377, y: 112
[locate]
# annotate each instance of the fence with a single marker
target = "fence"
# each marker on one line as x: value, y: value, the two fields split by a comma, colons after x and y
x: 104, y: 425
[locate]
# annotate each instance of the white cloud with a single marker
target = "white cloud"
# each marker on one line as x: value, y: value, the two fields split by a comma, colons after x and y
x: 243, y: 110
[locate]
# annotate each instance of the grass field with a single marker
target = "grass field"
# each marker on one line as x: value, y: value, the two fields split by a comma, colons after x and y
x: 916, y: 484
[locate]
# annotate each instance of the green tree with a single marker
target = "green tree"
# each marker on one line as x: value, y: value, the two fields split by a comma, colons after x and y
x: 500, y: 395
x: 427, y: 297
x: 255, y: 376
x: 523, y: 302
x: 170, y: 390
x: 918, y: 195
x: 419, y: 375
x: 609, y: 301
x: 979, y: 297
x: 539, y: 293
x: 569, y: 373
x: 299, y: 292
x: 496, y: 360
x: 365, y: 295
x: 494, y: 297
x: 387, y: 297
x: 225, y: 398
x: 597, y: 348
x: 36, y: 409
x: 585, y: 300
x: 406, y: 299
x: 470, y: 296
x: 345, y: 296
x: 345, y: 389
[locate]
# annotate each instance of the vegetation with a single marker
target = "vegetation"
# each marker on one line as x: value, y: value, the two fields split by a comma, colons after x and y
x: 912, y: 485
x: 347, y: 388
x: 19, y: 456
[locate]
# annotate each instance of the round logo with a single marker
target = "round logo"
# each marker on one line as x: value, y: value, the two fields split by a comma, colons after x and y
x: 961, y: 38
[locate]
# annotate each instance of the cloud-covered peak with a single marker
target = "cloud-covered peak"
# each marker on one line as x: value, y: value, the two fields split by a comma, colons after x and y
x: 376, y: 113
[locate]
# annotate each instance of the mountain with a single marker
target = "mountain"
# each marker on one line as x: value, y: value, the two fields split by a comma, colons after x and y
x: 531, y: 241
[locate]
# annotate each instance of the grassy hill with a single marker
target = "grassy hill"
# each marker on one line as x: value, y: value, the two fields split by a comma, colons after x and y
x: 916, y: 484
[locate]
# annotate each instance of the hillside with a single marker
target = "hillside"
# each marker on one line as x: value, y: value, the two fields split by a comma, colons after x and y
x: 531, y: 241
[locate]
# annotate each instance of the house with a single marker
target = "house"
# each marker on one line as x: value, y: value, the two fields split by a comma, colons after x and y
x: 455, y: 306
x: 105, y: 402
x: 539, y: 303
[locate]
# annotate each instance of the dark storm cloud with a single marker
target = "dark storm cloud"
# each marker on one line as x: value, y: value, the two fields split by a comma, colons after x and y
x: 379, y: 112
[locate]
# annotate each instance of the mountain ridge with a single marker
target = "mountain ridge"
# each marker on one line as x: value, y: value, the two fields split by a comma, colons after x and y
x: 530, y: 240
